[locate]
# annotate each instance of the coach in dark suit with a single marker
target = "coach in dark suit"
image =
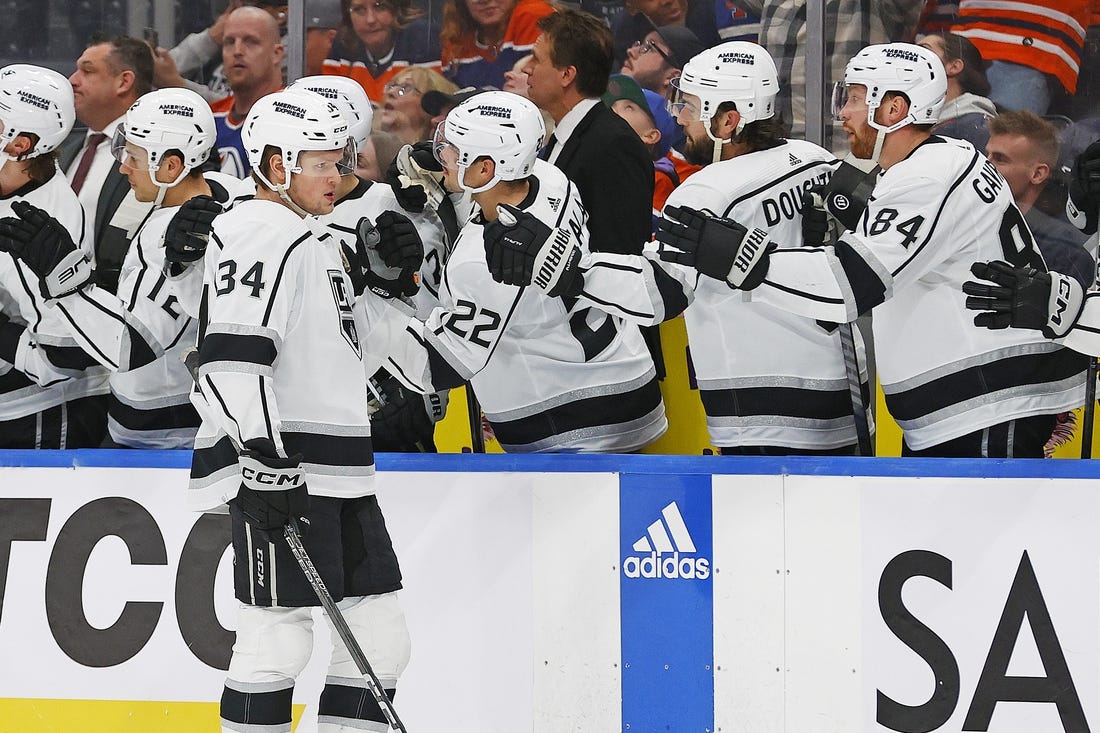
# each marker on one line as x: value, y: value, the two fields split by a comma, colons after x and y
x: 592, y: 145
x: 110, y: 75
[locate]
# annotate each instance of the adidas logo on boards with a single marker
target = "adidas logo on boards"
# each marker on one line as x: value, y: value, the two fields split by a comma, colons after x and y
x: 664, y: 548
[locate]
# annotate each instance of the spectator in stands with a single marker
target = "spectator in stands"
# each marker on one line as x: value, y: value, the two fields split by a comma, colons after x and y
x: 643, y: 16
x: 196, y: 61
x: 378, y: 39
x: 1034, y: 51
x: 322, y: 24
x: 109, y: 77
x: 592, y: 145
x: 402, y: 113
x: 252, y: 55
x: 1024, y: 148
x: 646, y: 113
x: 968, y: 107
x: 482, y: 39
x: 660, y: 56
x: 376, y: 155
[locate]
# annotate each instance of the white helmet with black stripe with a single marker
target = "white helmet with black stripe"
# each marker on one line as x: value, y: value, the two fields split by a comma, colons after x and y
x: 34, y: 101
x: 503, y: 126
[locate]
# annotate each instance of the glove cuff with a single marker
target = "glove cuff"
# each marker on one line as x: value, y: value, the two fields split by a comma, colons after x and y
x: 260, y: 473
x: 753, y: 248
x: 70, y: 275
x: 553, y: 260
x: 1067, y: 297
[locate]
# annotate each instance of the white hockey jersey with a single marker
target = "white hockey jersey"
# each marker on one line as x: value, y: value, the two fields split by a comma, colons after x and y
x: 281, y: 355
x: 140, y: 334
x: 550, y: 375
x: 49, y: 368
x: 930, y: 216
x: 766, y: 377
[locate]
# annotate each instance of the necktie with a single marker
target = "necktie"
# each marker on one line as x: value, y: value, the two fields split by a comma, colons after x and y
x: 544, y: 152
x: 85, y: 164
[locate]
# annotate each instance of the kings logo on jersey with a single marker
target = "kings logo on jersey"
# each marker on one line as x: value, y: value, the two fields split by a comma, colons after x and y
x: 666, y: 551
x: 343, y: 307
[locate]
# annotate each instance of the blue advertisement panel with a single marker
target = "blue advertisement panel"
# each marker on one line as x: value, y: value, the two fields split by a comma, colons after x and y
x: 666, y: 593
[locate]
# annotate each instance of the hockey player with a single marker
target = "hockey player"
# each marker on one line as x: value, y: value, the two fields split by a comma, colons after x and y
x: 792, y: 397
x: 551, y: 374
x: 284, y: 405
x: 141, y: 333
x: 401, y: 420
x: 938, y: 206
x: 51, y: 394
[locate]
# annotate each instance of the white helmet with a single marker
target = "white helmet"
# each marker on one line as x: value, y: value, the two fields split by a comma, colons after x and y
x: 294, y: 121
x: 500, y: 125
x: 912, y: 70
x: 738, y: 71
x: 162, y: 121
x: 348, y: 96
x: 38, y: 101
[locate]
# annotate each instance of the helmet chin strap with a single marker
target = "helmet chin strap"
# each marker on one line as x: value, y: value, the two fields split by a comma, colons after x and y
x: 475, y: 189
x: 716, y: 155
x: 282, y: 189
x: 162, y: 187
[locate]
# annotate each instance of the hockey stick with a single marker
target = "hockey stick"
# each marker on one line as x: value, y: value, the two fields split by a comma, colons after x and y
x: 341, y: 625
x: 1090, y: 409
x: 1090, y: 382
x: 855, y: 390
x: 473, y: 408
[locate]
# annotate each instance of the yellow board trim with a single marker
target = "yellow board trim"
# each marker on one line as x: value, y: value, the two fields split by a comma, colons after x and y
x: 42, y: 715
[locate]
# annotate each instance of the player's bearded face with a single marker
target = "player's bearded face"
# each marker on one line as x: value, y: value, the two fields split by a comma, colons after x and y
x: 861, y: 136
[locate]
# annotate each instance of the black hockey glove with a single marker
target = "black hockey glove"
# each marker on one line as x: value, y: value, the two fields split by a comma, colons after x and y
x: 1083, y: 206
x: 817, y: 227
x: 46, y: 248
x: 273, y: 490
x: 188, y: 232
x: 521, y: 250
x: 402, y: 423
x: 368, y: 271
x: 416, y: 177
x: 1023, y: 297
x: 717, y: 247
x: 399, y: 244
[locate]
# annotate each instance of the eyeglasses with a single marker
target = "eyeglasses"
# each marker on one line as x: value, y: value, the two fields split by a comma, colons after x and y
x: 400, y: 89
x: 644, y: 47
x: 377, y: 7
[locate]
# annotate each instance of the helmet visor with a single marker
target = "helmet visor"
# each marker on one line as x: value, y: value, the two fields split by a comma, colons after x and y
x: 326, y: 163
x: 845, y: 94
x: 681, y: 105
x: 125, y: 152
x: 445, y: 152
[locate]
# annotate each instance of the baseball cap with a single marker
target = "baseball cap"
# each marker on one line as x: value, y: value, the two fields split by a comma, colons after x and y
x: 621, y: 86
x: 683, y: 44
x: 323, y: 13
x: 434, y: 102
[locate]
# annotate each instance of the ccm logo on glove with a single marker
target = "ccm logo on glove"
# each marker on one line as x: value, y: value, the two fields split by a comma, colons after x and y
x: 558, y: 249
x: 1061, y: 301
x: 271, y: 478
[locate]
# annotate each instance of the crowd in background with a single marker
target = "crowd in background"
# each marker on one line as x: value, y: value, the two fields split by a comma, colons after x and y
x: 1023, y: 82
